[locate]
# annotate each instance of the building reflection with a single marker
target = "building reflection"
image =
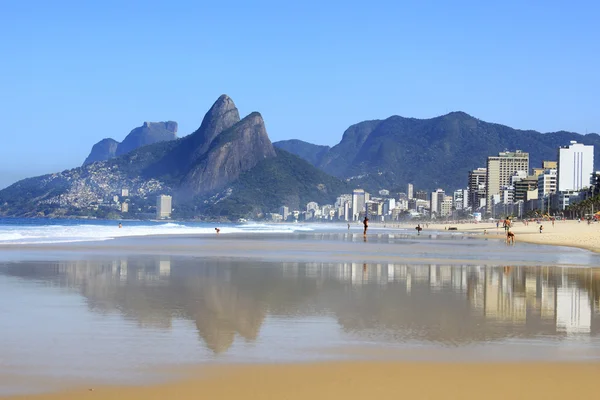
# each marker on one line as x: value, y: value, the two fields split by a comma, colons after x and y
x: 230, y: 300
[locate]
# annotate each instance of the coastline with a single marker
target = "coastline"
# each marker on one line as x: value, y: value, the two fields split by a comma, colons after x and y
x: 357, y: 380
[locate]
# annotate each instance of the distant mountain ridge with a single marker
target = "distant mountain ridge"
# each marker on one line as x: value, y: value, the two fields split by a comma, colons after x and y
x: 430, y: 153
x: 227, y: 160
x: 148, y: 133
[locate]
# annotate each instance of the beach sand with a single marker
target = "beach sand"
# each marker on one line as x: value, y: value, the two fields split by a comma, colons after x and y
x: 361, y: 380
x: 563, y: 233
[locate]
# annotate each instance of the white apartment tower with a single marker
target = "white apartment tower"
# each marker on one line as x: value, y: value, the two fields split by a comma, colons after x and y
x: 500, y: 170
x: 575, y: 166
x: 163, y: 206
x: 410, y: 191
x: 547, y: 182
x: 359, y: 200
x: 437, y: 198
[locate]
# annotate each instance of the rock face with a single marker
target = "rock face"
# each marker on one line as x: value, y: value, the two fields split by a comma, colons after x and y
x: 148, y: 133
x: 103, y: 150
x: 237, y: 149
x: 221, y: 116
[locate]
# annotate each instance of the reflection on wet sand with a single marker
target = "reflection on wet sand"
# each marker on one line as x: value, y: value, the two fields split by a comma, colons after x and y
x: 451, y: 305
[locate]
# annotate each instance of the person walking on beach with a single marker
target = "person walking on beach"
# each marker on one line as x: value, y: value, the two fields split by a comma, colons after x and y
x: 217, y: 230
x: 541, y: 228
x: 366, y: 225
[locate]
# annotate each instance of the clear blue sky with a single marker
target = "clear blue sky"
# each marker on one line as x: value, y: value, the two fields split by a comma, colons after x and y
x: 74, y: 72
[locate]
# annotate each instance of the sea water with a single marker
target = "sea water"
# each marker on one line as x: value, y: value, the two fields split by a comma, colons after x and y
x: 43, y: 231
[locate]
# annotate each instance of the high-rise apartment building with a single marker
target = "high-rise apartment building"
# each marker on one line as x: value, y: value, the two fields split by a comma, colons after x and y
x: 285, y: 212
x: 477, y: 179
x: 575, y: 166
x: 524, y: 185
x: 410, y: 191
x: 547, y: 182
x: 500, y: 170
x: 460, y: 199
x: 437, y: 198
x: 446, y: 206
x: 163, y: 206
x: 421, y: 195
x: 359, y: 199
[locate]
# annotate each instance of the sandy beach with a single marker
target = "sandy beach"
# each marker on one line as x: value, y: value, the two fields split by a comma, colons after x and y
x: 361, y: 380
x: 562, y: 233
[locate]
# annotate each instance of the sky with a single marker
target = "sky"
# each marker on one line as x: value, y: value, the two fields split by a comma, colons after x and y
x: 75, y: 72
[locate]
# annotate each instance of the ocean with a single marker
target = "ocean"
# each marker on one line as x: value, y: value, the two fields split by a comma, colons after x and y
x: 43, y: 231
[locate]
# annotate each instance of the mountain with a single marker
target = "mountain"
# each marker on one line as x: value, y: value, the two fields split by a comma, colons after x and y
x: 227, y: 160
x: 283, y: 180
x: 310, y: 152
x: 148, y: 133
x: 431, y: 153
x: 103, y: 150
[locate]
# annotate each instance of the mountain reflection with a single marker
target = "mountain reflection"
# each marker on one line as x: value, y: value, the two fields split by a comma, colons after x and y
x: 452, y: 305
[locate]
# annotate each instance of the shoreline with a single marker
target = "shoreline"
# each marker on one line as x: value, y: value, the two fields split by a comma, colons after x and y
x: 356, y: 380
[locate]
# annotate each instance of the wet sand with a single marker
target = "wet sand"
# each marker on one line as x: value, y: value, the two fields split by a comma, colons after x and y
x: 361, y: 380
x: 380, y: 246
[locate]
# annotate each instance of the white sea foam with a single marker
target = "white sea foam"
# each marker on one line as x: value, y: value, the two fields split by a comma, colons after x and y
x: 64, y: 233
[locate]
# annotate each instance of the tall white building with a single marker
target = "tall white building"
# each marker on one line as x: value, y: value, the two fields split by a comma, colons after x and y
x: 575, y: 166
x: 461, y: 199
x: 547, y: 182
x: 163, y: 206
x: 410, y: 191
x: 437, y: 198
x: 359, y: 199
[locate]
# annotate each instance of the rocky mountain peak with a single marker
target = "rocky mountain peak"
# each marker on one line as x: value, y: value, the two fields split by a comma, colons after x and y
x: 222, y: 115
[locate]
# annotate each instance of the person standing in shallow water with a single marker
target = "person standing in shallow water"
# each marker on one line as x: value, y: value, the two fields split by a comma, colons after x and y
x: 366, y: 225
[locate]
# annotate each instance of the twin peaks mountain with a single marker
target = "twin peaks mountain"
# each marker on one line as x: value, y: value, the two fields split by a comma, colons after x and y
x: 430, y: 153
x: 227, y: 168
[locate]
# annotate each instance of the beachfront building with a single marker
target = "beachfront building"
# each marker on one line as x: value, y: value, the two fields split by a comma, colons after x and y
x: 446, y: 206
x: 545, y: 166
x: 421, y: 195
x: 477, y: 179
x: 547, y: 182
x: 359, y: 200
x: 312, y: 206
x: 575, y: 166
x: 461, y: 199
x: 285, y: 212
x: 523, y: 186
x: 410, y: 191
x: 163, y: 206
x: 437, y: 198
x: 388, y: 206
x: 500, y: 170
